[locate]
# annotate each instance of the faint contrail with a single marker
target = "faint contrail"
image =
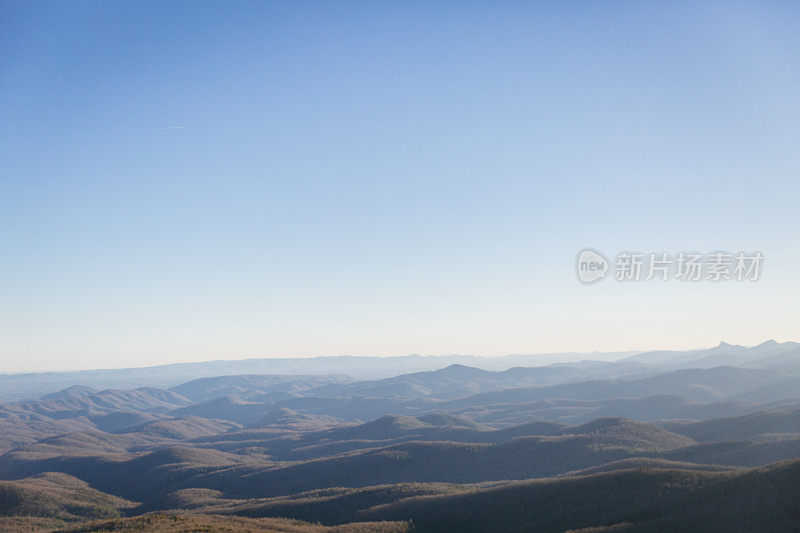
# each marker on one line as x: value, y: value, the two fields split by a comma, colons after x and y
x: 170, y: 128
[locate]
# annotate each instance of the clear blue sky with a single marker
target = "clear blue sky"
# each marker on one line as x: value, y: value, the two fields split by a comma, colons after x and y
x: 192, y: 180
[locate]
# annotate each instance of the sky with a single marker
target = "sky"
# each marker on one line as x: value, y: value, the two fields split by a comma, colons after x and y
x: 188, y: 181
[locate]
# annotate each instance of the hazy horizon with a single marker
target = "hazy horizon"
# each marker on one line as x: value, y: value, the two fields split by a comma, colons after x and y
x: 547, y: 357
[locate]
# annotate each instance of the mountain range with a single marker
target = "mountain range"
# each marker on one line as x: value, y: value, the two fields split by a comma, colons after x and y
x: 658, y: 441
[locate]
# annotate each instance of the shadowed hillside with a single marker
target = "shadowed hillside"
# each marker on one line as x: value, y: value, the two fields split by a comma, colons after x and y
x: 636, y: 500
x: 761, y: 424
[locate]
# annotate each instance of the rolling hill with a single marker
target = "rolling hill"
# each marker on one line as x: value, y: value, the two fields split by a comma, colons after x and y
x: 628, y: 500
x: 59, y: 497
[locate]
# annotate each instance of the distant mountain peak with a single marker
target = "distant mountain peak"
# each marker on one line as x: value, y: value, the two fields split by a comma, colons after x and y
x: 768, y: 343
x: 462, y: 370
x: 79, y: 388
x: 75, y: 391
x: 395, y: 422
x: 603, y: 423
